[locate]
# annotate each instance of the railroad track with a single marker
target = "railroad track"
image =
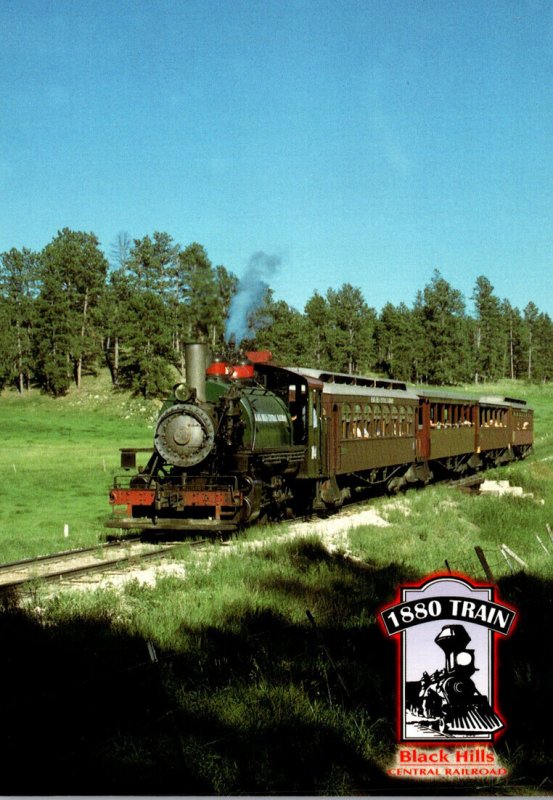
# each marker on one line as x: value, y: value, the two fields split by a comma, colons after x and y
x: 17, y: 575
x: 69, y: 564
x: 469, y: 483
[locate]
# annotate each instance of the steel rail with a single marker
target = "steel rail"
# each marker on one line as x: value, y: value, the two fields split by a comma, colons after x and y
x: 23, y: 562
x: 83, y: 569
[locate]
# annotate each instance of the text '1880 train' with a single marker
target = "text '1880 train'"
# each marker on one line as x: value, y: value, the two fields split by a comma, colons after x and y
x: 242, y: 442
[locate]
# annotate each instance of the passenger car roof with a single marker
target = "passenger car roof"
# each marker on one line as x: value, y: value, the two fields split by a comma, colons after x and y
x: 341, y: 383
x: 361, y: 386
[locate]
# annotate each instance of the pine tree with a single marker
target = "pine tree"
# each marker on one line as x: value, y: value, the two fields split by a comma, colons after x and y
x: 317, y: 315
x: 152, y: 262
x: 19, y: 272
x: 120, y: 254
x: 115, y: 318
x: 146, y: 350
x: 52, y: 337
x: 144, y: 318
x: 446, y: 350
x: 8, y: 343
x: 399, y: 337
x: 203, y: 299
x: 113, y: 309
x: 488, y: 332
x: 352, y: 327
x: 543, y: 349
x: 514, y: 359
x: 73, y: 274
x: 227, y: 285
x: 280, y: 329
x: 531, y: 313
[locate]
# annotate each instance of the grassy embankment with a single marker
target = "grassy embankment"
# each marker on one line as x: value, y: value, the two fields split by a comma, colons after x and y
x: 57, y: 461
x: 247, y: 696
x: 439, y: 523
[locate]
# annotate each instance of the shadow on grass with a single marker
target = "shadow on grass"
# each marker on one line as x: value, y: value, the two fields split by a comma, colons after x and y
x: 255, y: 705
x: 526, y: 680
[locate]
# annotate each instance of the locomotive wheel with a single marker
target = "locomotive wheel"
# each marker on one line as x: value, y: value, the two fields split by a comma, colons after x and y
x: 442, y: 725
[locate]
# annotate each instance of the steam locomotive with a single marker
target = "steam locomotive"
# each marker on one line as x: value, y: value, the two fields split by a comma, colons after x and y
x: 448, y: 700
x: 250, y: 440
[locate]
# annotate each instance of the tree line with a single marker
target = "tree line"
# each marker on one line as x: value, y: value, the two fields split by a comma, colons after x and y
x: 67, y: 311
x: 436, y: 341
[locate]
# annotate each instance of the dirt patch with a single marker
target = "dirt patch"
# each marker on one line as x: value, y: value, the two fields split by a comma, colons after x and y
x: 333, y: 533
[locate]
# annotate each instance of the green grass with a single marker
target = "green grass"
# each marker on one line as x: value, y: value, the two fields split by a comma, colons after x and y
x: 438, y: 523
x: 256, y: 704
x: 57, y: 461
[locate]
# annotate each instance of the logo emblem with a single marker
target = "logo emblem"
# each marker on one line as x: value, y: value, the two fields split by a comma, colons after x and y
x: 447, y: 630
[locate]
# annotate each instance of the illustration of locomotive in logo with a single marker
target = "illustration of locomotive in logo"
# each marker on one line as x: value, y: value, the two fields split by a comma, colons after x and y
x: 446, y: 630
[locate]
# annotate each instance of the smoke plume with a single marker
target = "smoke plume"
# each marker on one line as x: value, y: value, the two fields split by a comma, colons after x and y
x: 251, y: 288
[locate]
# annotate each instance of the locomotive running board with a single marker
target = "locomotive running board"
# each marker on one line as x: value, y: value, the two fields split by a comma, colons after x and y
x: 166, y: 523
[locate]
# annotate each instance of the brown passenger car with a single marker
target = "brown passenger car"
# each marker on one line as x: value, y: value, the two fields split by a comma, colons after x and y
x: 366, y: 431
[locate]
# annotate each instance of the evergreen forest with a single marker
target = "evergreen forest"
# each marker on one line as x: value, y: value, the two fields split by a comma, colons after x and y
x: 70, y: 310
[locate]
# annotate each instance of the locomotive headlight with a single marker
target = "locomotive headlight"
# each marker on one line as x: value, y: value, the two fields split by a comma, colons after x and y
x: 463, y: 659
x: 183, y: 392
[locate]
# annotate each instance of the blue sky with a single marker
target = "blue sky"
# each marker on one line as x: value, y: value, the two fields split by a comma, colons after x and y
x: 363, y: 142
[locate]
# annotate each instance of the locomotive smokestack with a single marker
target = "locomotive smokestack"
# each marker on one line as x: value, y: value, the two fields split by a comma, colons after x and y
x: 453, y: 639
x: 195, y: 359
